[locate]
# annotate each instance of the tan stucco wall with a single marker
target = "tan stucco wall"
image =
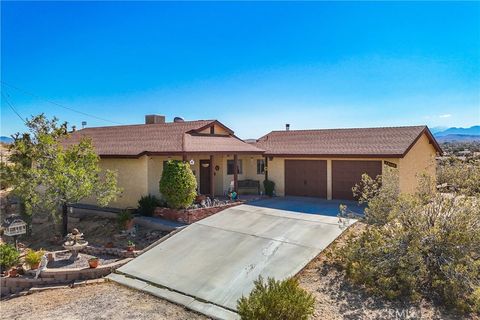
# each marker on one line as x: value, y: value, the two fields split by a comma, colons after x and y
x: 420, y: 159
x: 249, y: 166
x: 132, y: 177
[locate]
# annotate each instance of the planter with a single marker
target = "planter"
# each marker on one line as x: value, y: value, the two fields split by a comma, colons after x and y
x: 130, y: 248
x: 12, y: 273
x: 129, y: 224
x: 93, y: 263
x: 34, y: 266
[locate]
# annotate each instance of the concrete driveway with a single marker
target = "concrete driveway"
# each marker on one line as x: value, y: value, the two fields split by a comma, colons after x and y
x: 308, y: 205
x: 210, y: 264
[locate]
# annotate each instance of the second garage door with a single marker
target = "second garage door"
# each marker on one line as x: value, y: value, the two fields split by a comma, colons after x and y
x: 306, y: 178
x: 347, y: 173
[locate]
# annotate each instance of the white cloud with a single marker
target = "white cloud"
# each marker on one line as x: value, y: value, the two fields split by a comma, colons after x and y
x: 445, y: 115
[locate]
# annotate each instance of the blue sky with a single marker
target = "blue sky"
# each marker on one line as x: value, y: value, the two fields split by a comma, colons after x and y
x: 253, y: 66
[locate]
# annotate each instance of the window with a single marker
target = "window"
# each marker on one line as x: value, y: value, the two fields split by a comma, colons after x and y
x: 260, y: 166
x: 230, y: 167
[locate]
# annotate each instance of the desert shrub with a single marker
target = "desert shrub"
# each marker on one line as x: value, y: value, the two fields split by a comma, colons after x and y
x: 178, y: 184
x: 147, y: 205
x: 272, y: 300
x: 33, y: 257
x: 123, y: 217
x: 8, y: 256
x: 380, y: 194
x: 463, y: 176
x: 426, y: 249
x: 269, y: 186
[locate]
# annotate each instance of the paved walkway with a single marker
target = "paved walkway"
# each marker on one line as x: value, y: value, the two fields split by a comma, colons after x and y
x: 210, y: 264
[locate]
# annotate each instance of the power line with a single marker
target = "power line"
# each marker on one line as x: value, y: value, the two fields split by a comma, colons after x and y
x: 57, y: 104
x: 12, y: 107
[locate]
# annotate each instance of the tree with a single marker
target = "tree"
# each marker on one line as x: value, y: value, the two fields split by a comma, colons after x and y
x: 178, y: 184
x: 48, y: 176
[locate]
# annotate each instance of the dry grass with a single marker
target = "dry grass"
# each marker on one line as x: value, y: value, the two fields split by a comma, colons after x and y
x: 102, y: 301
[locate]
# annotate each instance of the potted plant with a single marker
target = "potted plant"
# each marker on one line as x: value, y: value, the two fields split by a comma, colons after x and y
x: 130, y: 246
x: 12, y: 273
x: 33, y: 258
x: 125, y: 219
x: 93, y: 262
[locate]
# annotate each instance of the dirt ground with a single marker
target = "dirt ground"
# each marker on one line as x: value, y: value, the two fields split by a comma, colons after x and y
x: 101, y: 301
x: 336, y: 298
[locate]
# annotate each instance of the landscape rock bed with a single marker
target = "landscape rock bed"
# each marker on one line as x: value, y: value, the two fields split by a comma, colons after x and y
x: 65, y: 271
x: 62, y: 260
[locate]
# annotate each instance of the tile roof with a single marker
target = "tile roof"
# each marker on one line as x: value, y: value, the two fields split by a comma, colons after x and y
x: 170, y: 137
x: 359, y: 142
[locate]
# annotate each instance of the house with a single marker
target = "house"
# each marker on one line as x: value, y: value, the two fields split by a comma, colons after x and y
x: 318, y: 163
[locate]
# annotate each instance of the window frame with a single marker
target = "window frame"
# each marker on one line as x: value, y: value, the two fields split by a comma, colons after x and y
x: 239, y: 167
x: 261, y: 165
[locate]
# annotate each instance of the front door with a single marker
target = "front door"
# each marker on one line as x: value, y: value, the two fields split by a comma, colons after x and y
x: 205, y: 168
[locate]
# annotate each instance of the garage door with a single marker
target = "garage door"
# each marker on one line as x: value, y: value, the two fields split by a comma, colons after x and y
x: 346, y: 174
x: 306, y: 178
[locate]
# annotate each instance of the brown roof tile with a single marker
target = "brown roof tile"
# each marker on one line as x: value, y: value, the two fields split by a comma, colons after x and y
x: 134, y: 140
x: 359, y: 142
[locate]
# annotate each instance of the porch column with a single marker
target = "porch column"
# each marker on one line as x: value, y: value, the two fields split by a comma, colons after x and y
x: 235, y: 173
x: 212, y: 177
x: 266, y: 168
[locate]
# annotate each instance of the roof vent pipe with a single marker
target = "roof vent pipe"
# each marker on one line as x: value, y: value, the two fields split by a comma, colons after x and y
x: 287, y: 127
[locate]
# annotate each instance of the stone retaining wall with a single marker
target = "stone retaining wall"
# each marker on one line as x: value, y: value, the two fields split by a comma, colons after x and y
x: 111, y: 251
x: 56, y: 276
x: 190, y: 215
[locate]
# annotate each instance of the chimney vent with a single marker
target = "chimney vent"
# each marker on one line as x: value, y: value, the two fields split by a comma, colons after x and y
x: 154, y: 119
x: 287, y: 127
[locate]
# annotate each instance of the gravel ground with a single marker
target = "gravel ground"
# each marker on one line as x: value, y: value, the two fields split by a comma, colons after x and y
x: 336, y: 298
x: 101, y: 301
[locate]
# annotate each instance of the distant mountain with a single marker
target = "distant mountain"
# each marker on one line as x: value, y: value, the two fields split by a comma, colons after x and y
x: 458, y: 138
x: 7, y: 140
x: 472, y: 131
x: 437, y: 129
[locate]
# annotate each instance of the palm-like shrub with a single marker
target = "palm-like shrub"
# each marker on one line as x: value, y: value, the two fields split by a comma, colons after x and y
x: 178, y: 184
x: 147, y: 205
x: 272, y: 300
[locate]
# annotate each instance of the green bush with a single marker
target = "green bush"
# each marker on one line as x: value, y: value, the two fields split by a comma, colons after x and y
x: 380, y: 194
x: 178, y: 184
x: 33, y: 257
x: 269, y: 186
x: 426, y: 250
x: 147, y: 205
x: 274, y: 300
x: 8, y: 256
x: 463, y: 176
